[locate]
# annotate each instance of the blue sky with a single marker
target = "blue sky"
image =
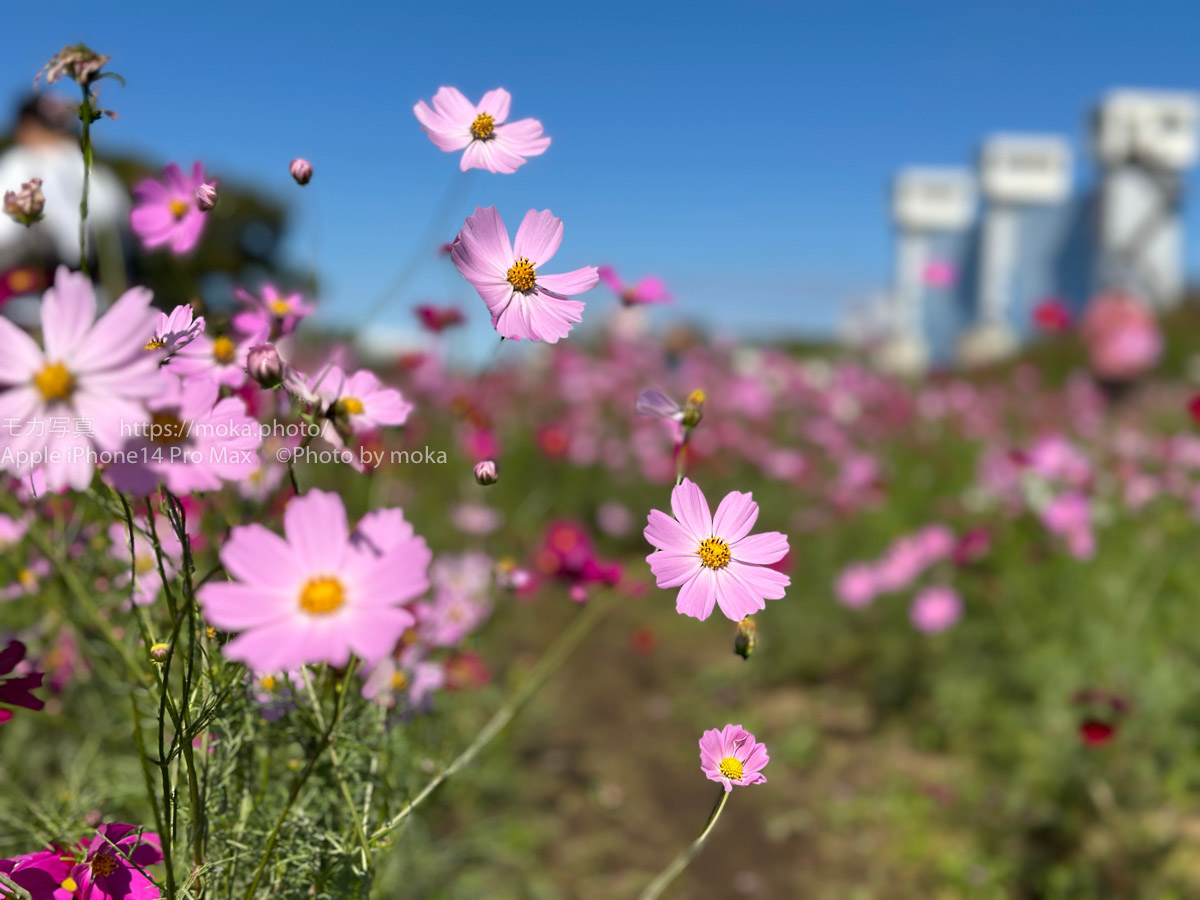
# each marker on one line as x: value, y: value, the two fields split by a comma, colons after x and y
x: 740, y: 150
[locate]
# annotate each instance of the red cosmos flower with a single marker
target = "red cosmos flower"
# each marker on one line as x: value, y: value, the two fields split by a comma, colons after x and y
x: 16, y: 690
x: 1094, y: 733
x: 1052, y: 316
x: 466, y: 670
x: 437, y: 319
x: 1194, y: 409
x: 553, y: 440
x: 1099, y: 725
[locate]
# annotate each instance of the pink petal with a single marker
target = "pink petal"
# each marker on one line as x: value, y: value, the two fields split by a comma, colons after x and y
x: 578, y: 281
x: 483, y: 244
x: 68, y: 311
x: 539, y: 236
x: 232, y: 606
x: 258, y: 556
x: 691, y: 509
x: 495, y: 103
x: 760, y: 549
x: 316, y: 528
x: 735, y: 596
x: 666, y: 533
x: 673, y: 569
x: 22, y: 358
x: 735, y: 517
x: 698, y: 596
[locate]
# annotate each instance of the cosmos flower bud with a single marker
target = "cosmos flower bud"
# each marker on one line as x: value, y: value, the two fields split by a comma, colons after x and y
x: 485, y: 472
x: 693, y: 409
x: 158, y: 652
x: 26, y: 205
x: 301, y: 170
x: 746, y: 638
x: 264, y: 365
x: 206, y: 196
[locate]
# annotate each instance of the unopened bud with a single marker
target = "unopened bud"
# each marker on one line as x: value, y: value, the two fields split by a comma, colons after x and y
x: 301, y: 170
x: 158, y: 652
x: 693, y: 409
x: 206, y: 196
x: 485, y: 472
x: 264, y: 365
x: 746, y: 639
x: 26, y: 205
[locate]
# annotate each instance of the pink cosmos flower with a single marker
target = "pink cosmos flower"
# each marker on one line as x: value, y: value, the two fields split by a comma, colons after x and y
x: 731, y: 755
x: 167, y: 212
x: 939, y: 273
x: 857, y: 586
x: 935, y: 609
x: 113, y: 866
x: 274, y: 313
x: 188, y: 441
x: 714, y: 560
x: 321, y: 592
x: 175, y: 331
x: 461, y: 601
x: 649, y: 290
x: 142, y: 569
x: 454, y: 123
x: 409, y: 675
x: 1123, y: 338
x: 92, y: 375
x: 524, y: 302
x: 221, y: 359
x: 360, y: 401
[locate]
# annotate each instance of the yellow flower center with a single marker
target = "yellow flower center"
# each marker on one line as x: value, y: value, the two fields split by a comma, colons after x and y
x: 69, y: 884
x: 483, y: 126
x: 268, y: 682
x: 55, y: 382
x: 521, y: 274
x: 731, y: 768
x: 321, y: 596
x: 155, y: 344
x: 178, y: 209
x: 143, y: 564
x: 103, y: 865
x: 224, y: 350
x: 399, y: 680
x: 350, y: 406
x: 280, y: 307
x: 165, y: 428
x: 27, y: 578
x: 714, y: 553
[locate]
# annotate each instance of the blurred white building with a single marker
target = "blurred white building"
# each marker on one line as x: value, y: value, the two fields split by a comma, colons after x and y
x: 966, y: 282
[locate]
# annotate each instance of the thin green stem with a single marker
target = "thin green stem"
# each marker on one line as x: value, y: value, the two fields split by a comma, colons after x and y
x: 563, y: 646
x: 85, y: 145
x: 655, y: 888
x: 298, y: 784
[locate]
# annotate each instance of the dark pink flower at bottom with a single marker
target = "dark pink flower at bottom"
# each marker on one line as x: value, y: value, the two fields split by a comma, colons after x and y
x: 111, y: 870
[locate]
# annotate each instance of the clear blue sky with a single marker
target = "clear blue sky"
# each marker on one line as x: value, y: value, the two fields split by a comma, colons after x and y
x: 740, y: 150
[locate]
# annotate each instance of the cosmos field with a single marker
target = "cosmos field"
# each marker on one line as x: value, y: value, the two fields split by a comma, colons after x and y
x: 635, y: 613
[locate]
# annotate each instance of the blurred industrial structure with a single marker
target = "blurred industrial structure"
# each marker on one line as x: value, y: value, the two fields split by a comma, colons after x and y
x: 977, y: 251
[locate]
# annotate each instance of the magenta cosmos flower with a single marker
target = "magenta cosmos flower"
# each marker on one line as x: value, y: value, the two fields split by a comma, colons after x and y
x: 220, y: 359
x: 714, y: 560
x: 454, y: 123
x: 649, y: 290
x: 60, y: 402
x: 45, y: 875
x: 524, y: 302
x: 113, y: 866
x: 935, y: 609
x: 321, y: 592
x: 730, y: 755
x: 167, y: 211
x: 175, y: 331
x: 17, y: 690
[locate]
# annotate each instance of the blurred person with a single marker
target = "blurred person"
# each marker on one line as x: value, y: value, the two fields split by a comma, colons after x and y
x: 46, y: 146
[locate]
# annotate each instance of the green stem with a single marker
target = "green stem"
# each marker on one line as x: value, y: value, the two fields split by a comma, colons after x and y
x: 298, y: 785
x: 85, y: 145
x: 563, y: 646
x: 684, y: 859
